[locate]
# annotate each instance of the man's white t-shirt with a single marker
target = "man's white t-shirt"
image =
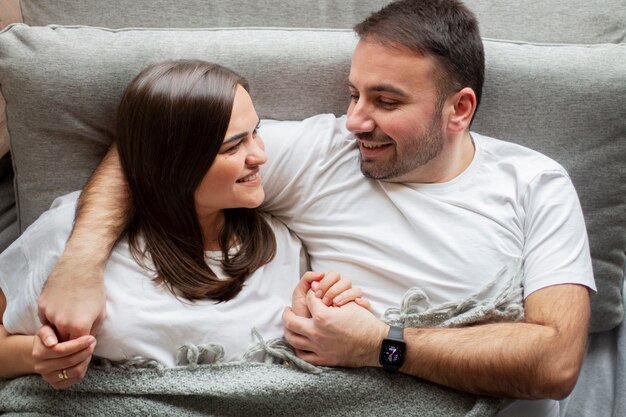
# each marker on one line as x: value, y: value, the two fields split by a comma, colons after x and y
x: 449, y: 239
x: 143, y: 318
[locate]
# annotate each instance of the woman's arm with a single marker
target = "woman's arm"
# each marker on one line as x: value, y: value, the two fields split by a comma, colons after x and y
x: 73, y: 300
x: 15, y: 351
x: 26, y: 354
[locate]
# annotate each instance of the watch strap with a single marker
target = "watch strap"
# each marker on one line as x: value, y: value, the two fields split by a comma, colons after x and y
x: 396, y: 333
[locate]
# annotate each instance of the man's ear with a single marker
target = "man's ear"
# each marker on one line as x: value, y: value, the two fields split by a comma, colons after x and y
x: 462, y: 106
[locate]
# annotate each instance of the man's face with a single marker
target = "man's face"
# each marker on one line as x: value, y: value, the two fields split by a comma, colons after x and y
x: 394, y: 111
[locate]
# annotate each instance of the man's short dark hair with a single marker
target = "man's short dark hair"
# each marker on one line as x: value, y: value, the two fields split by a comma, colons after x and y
x: 444, y: 29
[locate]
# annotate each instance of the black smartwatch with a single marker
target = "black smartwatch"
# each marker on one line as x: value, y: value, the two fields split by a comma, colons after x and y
x: 393, y: 350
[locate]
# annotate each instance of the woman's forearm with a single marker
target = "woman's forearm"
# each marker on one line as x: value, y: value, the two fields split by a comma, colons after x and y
x: 16, y: 354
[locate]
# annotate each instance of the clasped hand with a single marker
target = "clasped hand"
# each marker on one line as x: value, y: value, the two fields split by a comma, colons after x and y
x: 324, y: 331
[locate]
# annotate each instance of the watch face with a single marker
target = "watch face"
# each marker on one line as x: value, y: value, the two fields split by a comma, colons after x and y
x: 392, y: 353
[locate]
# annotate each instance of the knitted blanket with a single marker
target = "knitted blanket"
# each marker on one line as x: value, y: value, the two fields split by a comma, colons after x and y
x: 283, y: 385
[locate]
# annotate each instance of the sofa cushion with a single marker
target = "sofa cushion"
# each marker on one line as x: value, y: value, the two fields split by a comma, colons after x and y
x: 535, y: 21
x: 62, y: 85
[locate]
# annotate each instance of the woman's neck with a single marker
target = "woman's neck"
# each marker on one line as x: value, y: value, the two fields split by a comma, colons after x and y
x: 211, y: 226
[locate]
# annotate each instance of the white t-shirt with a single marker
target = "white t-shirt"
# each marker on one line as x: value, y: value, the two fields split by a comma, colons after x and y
x: 144, y: 319
x: 449, y: 239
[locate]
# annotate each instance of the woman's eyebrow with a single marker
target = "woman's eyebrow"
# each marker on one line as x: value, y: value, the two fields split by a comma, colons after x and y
x: 238, y: 136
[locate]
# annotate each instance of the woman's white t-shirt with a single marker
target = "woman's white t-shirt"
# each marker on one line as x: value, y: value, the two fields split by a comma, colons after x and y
x: 143, y: 318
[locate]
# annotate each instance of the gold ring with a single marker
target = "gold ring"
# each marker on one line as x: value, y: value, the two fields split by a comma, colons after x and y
x: 63, y: 375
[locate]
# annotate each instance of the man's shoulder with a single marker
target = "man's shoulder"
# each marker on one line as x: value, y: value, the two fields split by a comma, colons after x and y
x: 506, y: 154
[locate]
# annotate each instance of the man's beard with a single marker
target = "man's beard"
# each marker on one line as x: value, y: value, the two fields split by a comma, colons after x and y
x: 417, y: 152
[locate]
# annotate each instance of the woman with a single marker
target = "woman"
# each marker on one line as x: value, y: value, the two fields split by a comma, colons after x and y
x: 198, y: 264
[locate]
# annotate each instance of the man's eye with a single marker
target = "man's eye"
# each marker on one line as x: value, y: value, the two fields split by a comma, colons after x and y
x: 354, y: 97
x: 387, y: 104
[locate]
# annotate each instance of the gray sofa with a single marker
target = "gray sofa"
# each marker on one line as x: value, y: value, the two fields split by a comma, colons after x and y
x: 556, y: 82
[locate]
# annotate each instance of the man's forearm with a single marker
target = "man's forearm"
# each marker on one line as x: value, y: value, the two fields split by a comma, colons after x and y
x: 539, y: 358
x: 102, y: 211
x: 73, y: 299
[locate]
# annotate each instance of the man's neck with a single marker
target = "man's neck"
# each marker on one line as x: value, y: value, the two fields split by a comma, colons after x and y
x: 455, y: 157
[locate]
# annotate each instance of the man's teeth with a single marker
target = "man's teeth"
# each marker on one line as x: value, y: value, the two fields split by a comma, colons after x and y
x: 373, y: 145
x: 249, y: 178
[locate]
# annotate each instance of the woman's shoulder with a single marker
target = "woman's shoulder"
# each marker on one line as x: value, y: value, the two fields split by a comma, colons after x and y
x: 55, y: 223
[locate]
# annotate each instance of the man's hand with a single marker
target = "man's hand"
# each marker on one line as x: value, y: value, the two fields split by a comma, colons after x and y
x: 330, y: 287
x: 335, y: 336
x: 61, y: 364
x: 73, y: 299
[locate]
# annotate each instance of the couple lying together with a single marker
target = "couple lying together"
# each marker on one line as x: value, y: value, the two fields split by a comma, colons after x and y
x: 198, y: 263
x: 400, y: 196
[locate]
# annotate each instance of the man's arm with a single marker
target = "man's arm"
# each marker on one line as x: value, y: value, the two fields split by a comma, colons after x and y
x: 73, y: 298
x: 540, y: 357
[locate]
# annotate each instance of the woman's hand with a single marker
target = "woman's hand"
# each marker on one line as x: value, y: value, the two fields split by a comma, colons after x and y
x: 61, y: 364
x: 330, y: 287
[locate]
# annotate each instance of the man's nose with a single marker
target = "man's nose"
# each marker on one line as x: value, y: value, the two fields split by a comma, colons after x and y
x: 359, y: 118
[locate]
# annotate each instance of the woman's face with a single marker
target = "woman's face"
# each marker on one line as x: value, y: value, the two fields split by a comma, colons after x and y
x: 233, y: 181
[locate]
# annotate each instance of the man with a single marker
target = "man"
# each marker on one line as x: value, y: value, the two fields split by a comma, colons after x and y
x: 433, y: 206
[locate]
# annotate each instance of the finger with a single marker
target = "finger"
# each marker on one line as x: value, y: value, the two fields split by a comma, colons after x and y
x: 330, y: 279
x: 350, y: 294
x: 65, y: 377
x: 310, y: 357
x: 63, y: 349
x: 364, y: 302
x: 297, y: 341
x: 78, y: 328
x: 296, y: 324
x: 315, y: 305
x: 310, y: 280
x: 49, y: 366
x: 47, y: 336
x: 95, y: 327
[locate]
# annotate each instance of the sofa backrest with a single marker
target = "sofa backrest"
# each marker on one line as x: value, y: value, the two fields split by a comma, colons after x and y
x: 578, y: 21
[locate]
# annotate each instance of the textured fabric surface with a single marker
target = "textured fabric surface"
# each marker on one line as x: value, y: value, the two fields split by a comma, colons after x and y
x: 577, y: 21
x: 602, y: 382
x: 530, y: 20
x: 204, y: 385
x: 241, y: 389
x: 199, y: 13
x: 62, y: 84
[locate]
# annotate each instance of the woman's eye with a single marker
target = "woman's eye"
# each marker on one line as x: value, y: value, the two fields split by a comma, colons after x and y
x: 234, y: 148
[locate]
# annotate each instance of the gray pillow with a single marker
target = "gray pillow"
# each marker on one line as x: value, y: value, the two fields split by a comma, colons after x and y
x: 62, y: 85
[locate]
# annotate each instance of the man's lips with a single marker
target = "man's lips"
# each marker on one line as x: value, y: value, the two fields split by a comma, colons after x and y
x: 372, y: 149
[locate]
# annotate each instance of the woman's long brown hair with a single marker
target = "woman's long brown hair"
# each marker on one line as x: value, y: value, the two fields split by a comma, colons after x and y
x: 171, y: 123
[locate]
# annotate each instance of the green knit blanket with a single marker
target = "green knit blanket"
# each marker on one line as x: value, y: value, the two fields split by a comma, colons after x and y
x: 283, y: 385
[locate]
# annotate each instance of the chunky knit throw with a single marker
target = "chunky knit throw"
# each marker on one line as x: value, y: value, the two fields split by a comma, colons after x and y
x: 279, y: 385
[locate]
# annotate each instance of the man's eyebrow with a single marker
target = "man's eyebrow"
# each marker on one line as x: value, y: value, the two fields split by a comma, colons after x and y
x: 238, y: 136
x: 384, y: 88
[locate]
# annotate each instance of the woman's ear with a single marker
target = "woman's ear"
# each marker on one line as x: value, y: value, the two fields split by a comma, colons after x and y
x: 462, y: 106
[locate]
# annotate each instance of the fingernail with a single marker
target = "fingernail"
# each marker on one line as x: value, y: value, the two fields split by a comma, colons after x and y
x: 315, y: 285
x: 91, y: 340
x: 338, y: 299
x: 49, y: 341
x: 318, y: 293
x: 325, y: 300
